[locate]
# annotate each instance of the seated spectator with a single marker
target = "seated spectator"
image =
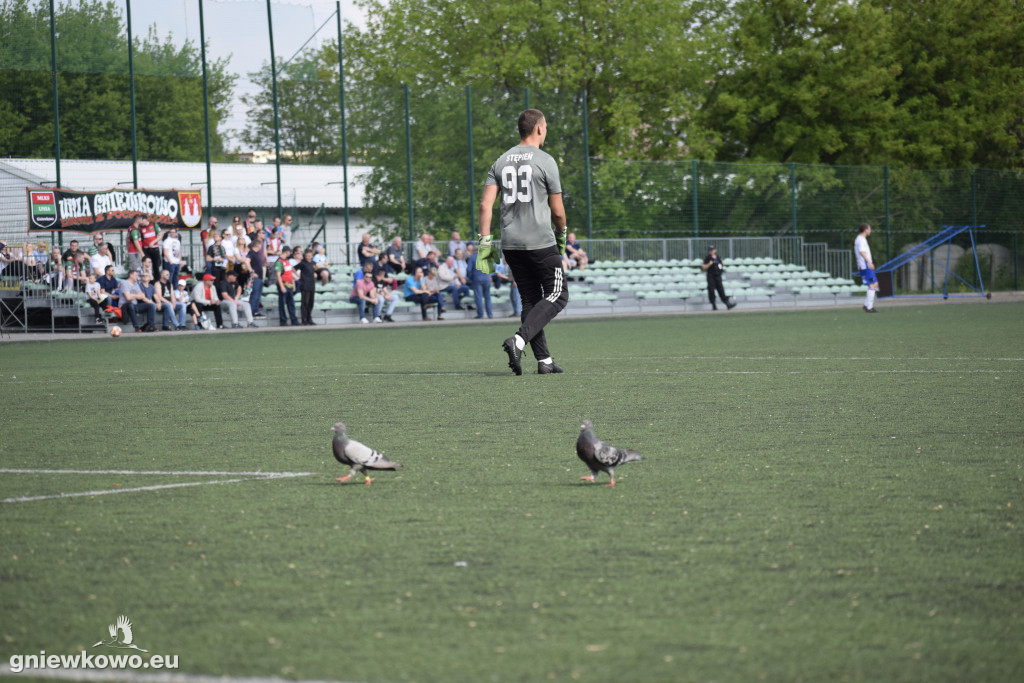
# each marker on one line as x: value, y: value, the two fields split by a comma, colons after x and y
x: 385, y: 294
x: 98, y: 299
x: 54, y: 269
x: 39, y: 259
x: 191, y: 309
x: 433, y: 287
x: 454, y: 244
x: 75, y: 272
x: 575, y: 252
x: 396, y: 256
x: 205, y: 298
x: 163, y: 298
x: 99, y: 261
x: 367, y: 252
x: 481, y: 284
x: 451, y: 282
x: 147, y: 269
x: 230, y: 294
x: 320, y: 264
x: 503, y: 274
x: 365, y: 292
x: 178, y: 296
x: 134, y: 301
x: 414, y: 291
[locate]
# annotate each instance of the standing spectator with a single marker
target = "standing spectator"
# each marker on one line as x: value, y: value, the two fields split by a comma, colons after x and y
x: 273, y: 251
x: 285, y: 279
x: 133, y: 303
x: 531, y: 204
x: 286, y: 227
x: 242, y: 265
x: 94, y: 248
x: 574, y: 251
x: 275, y: 227
x: 250, y: 222
x: 75, y: 272
x: 396, y: 256
x: 307, y: 283
x: 205, y: 298
x: 866, y: 266
x: 366, y: 252
x: 714, y: 269
x: 230, y: 249
x: 151, y: 243
x: 454, y: 244
x: 217, y: 257
x: 258, y: 273
x: 365, y: 292
x: 385, y: 295
x: 415, y: 292
x: 481, y: 284
x: 147, y: 268
x: 163, y: 298
x: 230, y: 294
x: 238, y: 226
x: 69, y: 253
x: 451, y: 282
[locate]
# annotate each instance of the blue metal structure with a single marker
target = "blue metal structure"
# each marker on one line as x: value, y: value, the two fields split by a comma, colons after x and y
x: 925, y: 248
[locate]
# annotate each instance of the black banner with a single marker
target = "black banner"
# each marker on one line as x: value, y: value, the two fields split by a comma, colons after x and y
x: 51, y: 210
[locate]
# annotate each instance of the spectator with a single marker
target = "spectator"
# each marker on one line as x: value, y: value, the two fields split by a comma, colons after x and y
x: 286, y: 227
x: 275, y: 228
x: 216, y: 257
x: 574, y: 251
x: 320, y: 263
x: 99, y: 261
x: 273, y: 251
x: 257, y: 273
x: 433, y: 287
x: 455, y: 243
x: 163, y: 299
x: 385, y: 294
x: 251, y: 222
x: 204, y: 297
x: 98, y: 299
x: 172, y: 255
x: 451, y: 282
x: 94, y: 248
x: 54, y: 269
x: 230, y: 248
x: 39, y: 258
x: 481, y: 284
x: 502, y: 273
x: 285, y: 278
x: 185, y: 299
x: 109, y: 284
x: 133, y: 302
x: 147, y: 268
x: 415, y: 292
x: 366, y: 252
x: 714, y: 269
x: 230, y: 294
x: 382, y: 266
x: 238, y: 231
x: 75, y: 272
x: 237, y: 224
x: 307, y: 283
x: 396, y: 256
x: 365, y: 292
x: 151, y: 244
x: 70, y: 252
x: 242, y: 265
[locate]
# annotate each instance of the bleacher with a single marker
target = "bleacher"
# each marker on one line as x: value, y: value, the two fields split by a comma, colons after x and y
x: 605, y: 287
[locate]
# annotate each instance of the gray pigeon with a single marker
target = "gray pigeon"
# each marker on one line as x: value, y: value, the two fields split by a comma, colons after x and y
x: 358, y: 456
x: 599, y: 456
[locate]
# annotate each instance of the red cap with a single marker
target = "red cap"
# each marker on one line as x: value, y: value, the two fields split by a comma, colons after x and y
x: 208, y: 278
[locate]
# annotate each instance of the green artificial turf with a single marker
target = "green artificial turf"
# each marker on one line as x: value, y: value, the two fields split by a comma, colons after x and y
x: 827, y: 496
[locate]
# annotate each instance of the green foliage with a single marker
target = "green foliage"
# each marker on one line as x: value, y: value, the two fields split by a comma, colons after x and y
x: 825, y: 497
x: 93, y: 87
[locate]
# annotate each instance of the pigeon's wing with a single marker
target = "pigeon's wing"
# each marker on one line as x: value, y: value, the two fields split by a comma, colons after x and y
x: 608, y: 455
x: 126, y: 629
x: 361, y: 454
x: 340, y: 446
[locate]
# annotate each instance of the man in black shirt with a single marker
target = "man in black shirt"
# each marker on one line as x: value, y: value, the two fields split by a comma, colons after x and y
x: 307, y: 285
x: 713, y: 267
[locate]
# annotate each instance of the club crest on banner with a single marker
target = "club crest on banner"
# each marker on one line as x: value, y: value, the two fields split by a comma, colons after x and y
x: 42, y: 209
x: 190, y: 204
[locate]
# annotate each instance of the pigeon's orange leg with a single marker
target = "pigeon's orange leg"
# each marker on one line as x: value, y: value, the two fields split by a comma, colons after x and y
x: 368, y: 481
x: 612, y: 483
x: 589, y: 477
x: 344, y: 479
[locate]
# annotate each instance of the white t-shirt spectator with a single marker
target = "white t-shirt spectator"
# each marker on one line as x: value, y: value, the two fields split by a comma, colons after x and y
x: 172, y: 250
x: 98, y: 262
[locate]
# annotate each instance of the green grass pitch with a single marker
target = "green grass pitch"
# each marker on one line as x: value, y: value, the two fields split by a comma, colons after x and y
x: 827, y: 496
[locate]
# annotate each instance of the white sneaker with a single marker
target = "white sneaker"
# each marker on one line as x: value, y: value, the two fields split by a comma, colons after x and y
x: 363, y: 320
x: 377, y: 319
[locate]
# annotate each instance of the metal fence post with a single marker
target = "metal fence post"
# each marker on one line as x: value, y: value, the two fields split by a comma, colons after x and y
x: 792, y: 194
x: 408, y: 157
x: 586, y: 165
x: 696, y: 209
x: 469, y: 141
x: 888, y: 216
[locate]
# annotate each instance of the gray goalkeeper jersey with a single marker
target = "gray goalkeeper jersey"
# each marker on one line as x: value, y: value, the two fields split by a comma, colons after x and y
x: 525, y: 176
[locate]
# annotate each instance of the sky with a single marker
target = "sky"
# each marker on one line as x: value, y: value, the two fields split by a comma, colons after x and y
x: 237, y: 30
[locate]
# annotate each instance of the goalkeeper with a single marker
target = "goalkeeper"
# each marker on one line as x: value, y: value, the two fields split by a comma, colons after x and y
x: 532, y: 237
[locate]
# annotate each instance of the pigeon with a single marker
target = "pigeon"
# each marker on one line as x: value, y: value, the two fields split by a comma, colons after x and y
x: 599, y: 456
x: 359, y: 456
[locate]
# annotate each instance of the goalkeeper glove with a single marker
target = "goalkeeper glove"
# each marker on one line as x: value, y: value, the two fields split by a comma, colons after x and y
x: 560, y: 241
x: 485, y: 260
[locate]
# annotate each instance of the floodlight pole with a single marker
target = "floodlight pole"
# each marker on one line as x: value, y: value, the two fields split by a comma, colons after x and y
x: 56, y: 108
x: 469, y: 141
x: 408, y: 157
x: 206, y: 115
x: 131, y: 91
x: 586, y: 164
x: 344, y: 141
x: 273, y: 82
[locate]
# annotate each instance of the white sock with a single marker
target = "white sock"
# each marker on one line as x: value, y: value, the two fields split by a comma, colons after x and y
x: 546, y: 361
x: 870, y: 299
x: 520, y: 342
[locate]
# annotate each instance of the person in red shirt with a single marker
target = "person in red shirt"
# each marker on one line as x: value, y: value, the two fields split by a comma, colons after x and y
x: 150, y: 233
x: 285, y: 288
x: 135, y: 243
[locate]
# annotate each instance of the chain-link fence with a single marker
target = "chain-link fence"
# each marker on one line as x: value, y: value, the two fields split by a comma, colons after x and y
x: 77, y: 92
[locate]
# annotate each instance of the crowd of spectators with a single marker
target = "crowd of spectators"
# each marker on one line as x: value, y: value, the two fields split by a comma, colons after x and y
x: 241, y: 261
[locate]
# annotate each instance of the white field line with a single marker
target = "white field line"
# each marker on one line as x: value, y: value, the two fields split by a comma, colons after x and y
x: 244, y: 476
x: 141, y: 677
